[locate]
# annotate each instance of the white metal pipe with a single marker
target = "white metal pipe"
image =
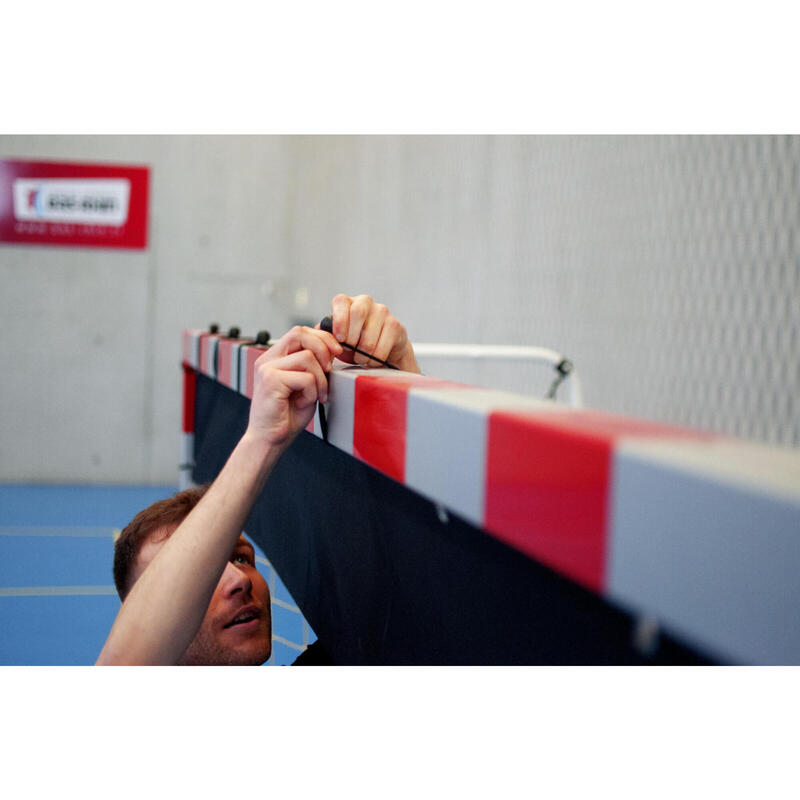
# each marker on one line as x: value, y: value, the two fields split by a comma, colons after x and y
x: 542, y: 355
x: 574, y: 392
x: 478, y: 351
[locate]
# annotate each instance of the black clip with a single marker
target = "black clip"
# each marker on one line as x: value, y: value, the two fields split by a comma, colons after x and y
x: 326, y: 324
x: 563, y: 368
x: 323, y: 422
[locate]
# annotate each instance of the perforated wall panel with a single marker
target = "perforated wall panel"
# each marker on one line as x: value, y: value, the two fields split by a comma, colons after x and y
x: 666, y: 268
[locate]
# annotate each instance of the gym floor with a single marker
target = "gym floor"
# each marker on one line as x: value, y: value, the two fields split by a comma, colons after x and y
x: 57, y: 595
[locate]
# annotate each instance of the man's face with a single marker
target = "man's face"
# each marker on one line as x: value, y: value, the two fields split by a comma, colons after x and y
x: 237, y: 627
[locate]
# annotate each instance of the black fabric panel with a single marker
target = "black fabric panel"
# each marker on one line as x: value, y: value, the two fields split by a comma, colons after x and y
x: 383, y: 581
x: 314, y: 655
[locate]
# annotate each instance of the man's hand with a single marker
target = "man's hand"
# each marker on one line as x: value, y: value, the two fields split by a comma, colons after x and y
x: 288, y: 381
x: 291, y: 377
x: 369, y: 326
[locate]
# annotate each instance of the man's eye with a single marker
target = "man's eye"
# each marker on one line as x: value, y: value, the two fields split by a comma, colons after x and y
x: 241, y: 558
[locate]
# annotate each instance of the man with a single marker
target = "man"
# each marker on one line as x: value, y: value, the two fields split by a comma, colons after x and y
x: 236, y: 628
x: 191, y: 593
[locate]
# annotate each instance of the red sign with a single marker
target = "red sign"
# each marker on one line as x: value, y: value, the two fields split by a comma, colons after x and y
x: 79, y: 205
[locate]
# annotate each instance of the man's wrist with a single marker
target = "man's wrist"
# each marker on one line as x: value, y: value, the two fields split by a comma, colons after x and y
x: 262, y: 445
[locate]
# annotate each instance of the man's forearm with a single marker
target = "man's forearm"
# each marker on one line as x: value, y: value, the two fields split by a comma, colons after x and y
x: 166, y: 606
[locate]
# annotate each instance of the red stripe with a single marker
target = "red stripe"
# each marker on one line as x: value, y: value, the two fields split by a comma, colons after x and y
x: 224, y: 360
x: 601, y: 423
x: 379, y: 424
x: 548, y: 484
x: 547, y: 494
x: 379, y: 419
x: 251, y: 356
x: 413, y: 381
x: 189, y: 385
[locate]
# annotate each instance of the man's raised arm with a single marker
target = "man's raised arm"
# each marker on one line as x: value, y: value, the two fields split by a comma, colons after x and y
x: 165, y: 608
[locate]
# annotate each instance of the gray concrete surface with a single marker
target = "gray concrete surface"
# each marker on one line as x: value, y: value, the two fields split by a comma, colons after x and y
x: 666, y: 268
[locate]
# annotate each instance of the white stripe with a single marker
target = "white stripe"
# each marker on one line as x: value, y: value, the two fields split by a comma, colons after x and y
x: 212, y: 342
x: 62, y: 530
x: 749, y: 465
x: 241, y: 370
x: 264, y: 561
x: 455, y: 474
x: 55, y: 591
x: 233, y: 377
x: 341, y: 407
x: 715, y: 559
x: 488, y: 400
x: 192, y: 342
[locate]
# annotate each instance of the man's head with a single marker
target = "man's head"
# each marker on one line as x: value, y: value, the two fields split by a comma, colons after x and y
x: 237, y: 627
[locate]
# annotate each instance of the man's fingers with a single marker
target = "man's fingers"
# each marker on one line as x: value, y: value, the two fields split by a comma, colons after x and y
x: 369, y: 326
x: 392, y: 340
x: 359, y: 314
x: 340, y: 314
x: 372, y: 331
x: 302, y: 361
x: 301, y: 384
x: 320, y: 343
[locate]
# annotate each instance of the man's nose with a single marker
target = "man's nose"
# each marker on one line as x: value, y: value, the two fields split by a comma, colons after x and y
x: 235, y: 580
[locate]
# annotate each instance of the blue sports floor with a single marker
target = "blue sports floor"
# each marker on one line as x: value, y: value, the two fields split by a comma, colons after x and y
x: 57, y: 596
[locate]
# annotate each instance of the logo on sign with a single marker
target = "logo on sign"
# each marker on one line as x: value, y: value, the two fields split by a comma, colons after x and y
x: 100, y: 201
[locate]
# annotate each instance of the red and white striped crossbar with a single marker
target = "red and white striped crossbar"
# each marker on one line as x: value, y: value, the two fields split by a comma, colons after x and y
x: 697, y: 531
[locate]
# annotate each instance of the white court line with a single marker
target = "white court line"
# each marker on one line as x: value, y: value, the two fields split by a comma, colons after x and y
x: 281, y: 603
x: 45, y: 591
x: 288, y: 643
x: 61, y: 530
x: 41, y: 591
x: 284, y: 604
x: 55, y: 591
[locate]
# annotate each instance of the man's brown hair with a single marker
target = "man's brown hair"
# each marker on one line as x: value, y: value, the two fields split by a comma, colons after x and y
x: 171, y: 511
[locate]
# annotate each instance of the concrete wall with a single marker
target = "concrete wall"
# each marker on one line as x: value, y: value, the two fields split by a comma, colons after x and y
x: 91, y: 391
x: 666, y: 268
